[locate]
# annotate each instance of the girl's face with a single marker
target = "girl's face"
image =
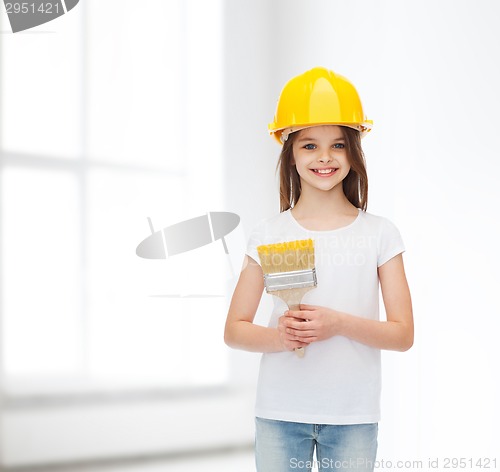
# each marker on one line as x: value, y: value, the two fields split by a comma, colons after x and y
x: 320, y: 157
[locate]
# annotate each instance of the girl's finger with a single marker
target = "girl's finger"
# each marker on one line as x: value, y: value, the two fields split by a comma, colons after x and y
x: 301, y: 334
x: 308, y: 340
x: 308, y: 307
x: 297, y: 314
x: 299, y: 325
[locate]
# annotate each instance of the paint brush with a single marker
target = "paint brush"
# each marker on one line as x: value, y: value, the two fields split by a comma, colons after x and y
x: 289, y: 272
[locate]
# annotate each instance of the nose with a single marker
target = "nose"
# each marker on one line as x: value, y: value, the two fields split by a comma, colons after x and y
x: 325, y: 156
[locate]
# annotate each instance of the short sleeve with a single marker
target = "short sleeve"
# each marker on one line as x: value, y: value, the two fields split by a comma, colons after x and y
x: 390, y: 242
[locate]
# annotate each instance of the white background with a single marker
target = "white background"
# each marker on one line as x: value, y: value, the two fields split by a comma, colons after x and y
x: 427, y: 73
x: 428, y: 76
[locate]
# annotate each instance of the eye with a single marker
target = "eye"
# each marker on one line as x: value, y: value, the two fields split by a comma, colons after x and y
x: 310, y: 146
x: 338, y: 146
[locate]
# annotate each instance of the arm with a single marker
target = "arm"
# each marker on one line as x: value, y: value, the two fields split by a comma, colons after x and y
x: 396, y: 333
x: 240, y: 332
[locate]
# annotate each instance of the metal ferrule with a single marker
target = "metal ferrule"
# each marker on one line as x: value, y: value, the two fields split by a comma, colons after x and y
x: 288, y: 280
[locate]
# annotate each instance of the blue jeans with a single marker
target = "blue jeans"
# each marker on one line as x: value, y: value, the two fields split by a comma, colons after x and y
x: 284, y: 446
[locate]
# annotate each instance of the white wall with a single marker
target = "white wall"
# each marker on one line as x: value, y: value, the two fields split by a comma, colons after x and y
x: 250, y: 156
x: 428, y: 77
x: 427, y: 74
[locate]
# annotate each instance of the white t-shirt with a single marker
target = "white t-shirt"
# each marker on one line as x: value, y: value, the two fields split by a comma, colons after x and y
x: 338, y: 380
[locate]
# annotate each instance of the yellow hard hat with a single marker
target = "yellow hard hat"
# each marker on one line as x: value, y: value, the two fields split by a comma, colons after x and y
x: 318, y: 97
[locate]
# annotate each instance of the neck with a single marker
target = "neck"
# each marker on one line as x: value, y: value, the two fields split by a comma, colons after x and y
x: 317, y: 203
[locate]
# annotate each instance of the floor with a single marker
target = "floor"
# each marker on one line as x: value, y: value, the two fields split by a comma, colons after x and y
x: 240, y: 460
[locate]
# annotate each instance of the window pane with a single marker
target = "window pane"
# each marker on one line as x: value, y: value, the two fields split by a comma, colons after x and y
x: 142, y: 328
x: 41, y: 268
x: 204, y: 102
x: 135, y: 82
x: 154, y: 100
x: 41, y: 91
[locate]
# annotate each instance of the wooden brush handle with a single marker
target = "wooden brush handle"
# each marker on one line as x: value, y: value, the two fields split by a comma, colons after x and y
x: 292, y: 297
x: 300, y: 351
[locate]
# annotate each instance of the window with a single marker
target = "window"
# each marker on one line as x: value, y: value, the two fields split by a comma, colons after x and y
x: 101, y: 129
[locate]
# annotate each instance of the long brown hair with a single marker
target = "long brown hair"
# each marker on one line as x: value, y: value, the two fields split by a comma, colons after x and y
x: 355, y: 184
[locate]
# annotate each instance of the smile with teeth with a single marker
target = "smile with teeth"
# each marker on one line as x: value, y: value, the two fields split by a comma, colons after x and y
x: 328, y: 171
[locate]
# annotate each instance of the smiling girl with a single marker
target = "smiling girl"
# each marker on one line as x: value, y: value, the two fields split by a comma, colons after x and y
x: 328, y: 401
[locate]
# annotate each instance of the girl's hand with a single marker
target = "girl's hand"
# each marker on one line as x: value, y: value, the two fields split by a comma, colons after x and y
x: 289, y: 342
x: 312, y: 323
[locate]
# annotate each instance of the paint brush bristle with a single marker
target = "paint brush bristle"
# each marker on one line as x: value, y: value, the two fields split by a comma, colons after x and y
x: 287, y: 257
